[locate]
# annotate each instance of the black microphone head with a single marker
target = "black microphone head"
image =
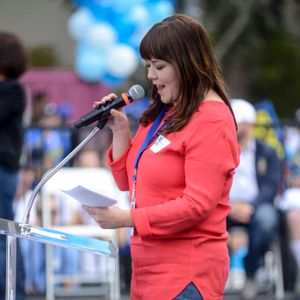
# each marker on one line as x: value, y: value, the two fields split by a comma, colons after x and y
x: 136, y: 92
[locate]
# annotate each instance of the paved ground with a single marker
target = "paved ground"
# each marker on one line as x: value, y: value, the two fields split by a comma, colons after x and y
x: 261, y: 297
x: 227, y: 297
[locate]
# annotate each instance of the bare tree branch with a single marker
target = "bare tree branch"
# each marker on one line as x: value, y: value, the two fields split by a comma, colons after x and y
x: 236, y: 29
x: 212, y: 21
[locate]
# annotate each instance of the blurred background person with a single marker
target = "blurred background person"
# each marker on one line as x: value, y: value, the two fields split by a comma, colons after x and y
x: 255, y: 185
x: 290, y: 204
x: 39, y: 101
x: 47, y: 142
x: 12, y: 106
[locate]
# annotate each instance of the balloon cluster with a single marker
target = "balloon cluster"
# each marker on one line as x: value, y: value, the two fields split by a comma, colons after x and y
x: 108, y: 34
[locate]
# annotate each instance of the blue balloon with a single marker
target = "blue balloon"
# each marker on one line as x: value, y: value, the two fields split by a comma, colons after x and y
x: 124, y: 26
x: 124, y: 6
x: 82, y: 3
x: 111, y: 80
x: 161, y: 10
x: 90, y: 64
x: 101, y: 11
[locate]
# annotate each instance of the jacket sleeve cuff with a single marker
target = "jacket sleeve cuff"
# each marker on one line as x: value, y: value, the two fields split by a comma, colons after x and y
x: 119, y: 163
x: 141, y: 221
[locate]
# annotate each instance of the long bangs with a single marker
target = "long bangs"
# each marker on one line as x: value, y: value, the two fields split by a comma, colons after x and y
x: 155, y: 44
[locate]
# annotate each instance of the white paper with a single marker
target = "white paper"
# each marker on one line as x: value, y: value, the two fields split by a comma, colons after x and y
x: 89, y: 198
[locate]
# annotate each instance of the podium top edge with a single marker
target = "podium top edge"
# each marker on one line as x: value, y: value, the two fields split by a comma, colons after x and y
x: 58, y: 238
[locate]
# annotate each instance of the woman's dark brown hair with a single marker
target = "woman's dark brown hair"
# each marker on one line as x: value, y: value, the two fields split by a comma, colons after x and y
x: 12, y: 56
x: 183, y: 42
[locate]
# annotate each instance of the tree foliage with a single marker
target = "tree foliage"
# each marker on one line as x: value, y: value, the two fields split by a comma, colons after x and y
x: 258, y: 44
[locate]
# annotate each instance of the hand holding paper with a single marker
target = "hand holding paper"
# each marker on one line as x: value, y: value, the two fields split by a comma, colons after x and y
x: 101, y: 208
x: 89, y: 198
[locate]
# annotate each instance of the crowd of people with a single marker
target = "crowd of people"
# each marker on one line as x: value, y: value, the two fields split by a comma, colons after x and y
x: 195, y: 177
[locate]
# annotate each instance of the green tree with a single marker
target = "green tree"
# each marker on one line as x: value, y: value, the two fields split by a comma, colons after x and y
x: 258, y: 44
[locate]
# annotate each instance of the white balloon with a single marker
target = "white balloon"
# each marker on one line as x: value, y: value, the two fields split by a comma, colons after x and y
x: 122, y: 61
x: 101, y: 35
x: 79, y: 23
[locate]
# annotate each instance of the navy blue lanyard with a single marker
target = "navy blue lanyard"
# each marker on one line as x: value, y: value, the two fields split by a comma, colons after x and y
x: 151, y: 135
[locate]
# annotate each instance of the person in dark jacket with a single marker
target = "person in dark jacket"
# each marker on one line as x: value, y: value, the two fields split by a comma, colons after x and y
x: 12, y: 106
x: 255, y: 185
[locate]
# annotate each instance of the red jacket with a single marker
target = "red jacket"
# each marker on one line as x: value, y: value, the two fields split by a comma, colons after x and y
x: 181, y: 206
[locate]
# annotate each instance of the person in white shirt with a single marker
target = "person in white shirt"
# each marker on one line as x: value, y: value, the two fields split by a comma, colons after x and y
x: 254, y: 188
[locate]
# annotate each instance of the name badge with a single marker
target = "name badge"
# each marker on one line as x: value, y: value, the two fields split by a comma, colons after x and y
x: 159, y: 144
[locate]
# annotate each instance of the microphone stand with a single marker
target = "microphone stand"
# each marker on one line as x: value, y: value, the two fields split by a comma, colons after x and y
x: 25, y: 228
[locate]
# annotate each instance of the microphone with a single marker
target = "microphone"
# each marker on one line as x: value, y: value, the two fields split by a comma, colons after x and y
x: 101, y: 113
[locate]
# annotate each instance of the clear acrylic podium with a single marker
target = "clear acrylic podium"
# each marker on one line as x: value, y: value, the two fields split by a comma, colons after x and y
x: 13, y: 231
